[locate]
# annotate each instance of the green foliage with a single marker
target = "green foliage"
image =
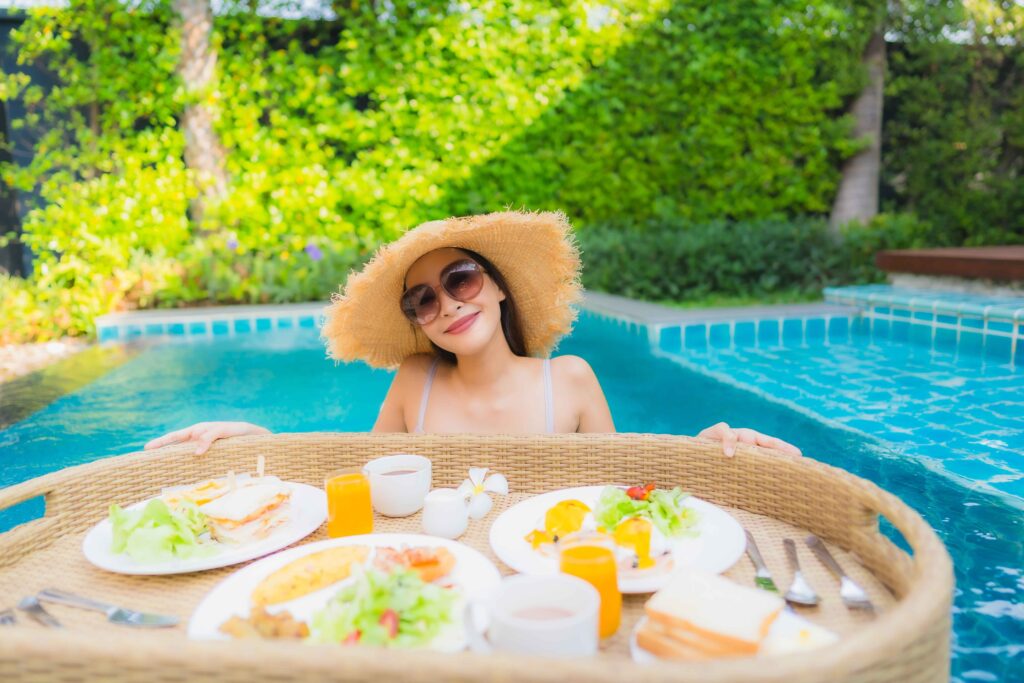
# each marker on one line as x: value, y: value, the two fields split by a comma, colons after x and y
x: 696, y: 123
x: 679, y: 260
x: 953, y: 148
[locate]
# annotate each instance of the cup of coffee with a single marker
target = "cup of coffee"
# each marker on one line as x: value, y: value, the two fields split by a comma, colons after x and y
x: 550, y: 615
x: 398, y: 483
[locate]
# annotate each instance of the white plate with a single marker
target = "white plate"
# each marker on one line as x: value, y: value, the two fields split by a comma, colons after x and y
x: 308, y: 511
x: 789, y: 624
x: 716, y: 547
x: 474, y: 575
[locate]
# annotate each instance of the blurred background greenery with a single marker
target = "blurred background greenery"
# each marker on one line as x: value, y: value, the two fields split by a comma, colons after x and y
x: 164, y: 155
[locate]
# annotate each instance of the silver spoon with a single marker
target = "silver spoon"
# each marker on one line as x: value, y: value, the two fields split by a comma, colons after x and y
x: 800, y: 592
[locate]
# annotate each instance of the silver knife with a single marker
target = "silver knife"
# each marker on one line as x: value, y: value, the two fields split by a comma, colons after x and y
x: 115, y: 615
x: 763, y: 578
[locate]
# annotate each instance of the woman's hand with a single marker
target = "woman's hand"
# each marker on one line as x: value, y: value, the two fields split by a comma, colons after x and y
x: 205, y: 433
x: 730, y: 437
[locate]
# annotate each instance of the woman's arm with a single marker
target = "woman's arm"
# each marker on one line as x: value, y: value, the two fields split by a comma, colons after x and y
x: 205, y: 433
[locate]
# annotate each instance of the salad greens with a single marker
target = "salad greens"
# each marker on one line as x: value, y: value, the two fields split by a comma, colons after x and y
x: 663, y: 508
x: 397, y: 609
x: 156, y: 533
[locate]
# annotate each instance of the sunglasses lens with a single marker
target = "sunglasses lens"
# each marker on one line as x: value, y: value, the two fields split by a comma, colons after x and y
x: 420, y: 304
x: 462, y: 280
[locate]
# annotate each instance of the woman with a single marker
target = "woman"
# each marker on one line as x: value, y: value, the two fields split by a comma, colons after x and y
x: 469, y: 310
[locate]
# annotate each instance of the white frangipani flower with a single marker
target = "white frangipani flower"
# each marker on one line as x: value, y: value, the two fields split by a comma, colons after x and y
x: 476, y: 488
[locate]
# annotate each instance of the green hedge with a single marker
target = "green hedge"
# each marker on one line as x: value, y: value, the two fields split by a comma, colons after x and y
x: 676, y: 260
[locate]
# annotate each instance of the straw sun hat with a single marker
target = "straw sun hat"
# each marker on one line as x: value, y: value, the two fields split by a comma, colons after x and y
x: 535, y: 252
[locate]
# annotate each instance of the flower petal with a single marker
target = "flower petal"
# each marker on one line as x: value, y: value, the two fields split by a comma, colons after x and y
x: 466, y: 488
x: 480, y: 505
x: 496, y: 483
x: 477, y: 474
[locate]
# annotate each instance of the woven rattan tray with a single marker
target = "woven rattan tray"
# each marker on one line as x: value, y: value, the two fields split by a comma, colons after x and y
x: 772, y: 495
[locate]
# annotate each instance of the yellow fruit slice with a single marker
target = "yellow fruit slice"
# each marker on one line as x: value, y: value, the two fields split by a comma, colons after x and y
x: 309, y: 573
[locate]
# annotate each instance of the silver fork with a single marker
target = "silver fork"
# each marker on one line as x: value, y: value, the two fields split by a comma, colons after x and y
x: 7, y: 617
x: 31, y: 606
x: 852, y: 594
x: 800, y: 592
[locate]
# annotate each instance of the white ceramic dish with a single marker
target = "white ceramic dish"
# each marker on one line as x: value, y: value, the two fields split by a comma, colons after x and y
x: 717, y: 544
x: 308, y: 510
x: 474, y: 575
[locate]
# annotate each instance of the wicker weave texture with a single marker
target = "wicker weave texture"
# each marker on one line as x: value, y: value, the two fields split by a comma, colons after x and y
x: 773, y: 495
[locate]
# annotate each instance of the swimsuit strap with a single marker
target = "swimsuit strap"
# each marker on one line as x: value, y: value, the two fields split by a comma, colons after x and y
x: 426, y: 395
x: 549, y: 404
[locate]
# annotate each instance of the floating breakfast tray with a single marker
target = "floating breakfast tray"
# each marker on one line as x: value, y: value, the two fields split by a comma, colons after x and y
x: 773, y: 495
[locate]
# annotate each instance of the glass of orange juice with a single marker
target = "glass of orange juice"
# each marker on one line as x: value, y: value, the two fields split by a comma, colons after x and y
x: 349, y: 510
x: 591, y: 557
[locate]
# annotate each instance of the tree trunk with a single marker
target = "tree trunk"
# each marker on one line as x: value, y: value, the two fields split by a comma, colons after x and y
x: 857, y: 198
x: 204, y: 155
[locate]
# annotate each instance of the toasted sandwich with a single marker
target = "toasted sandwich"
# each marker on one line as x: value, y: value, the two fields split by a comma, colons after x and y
x: 248, y: 513
x: 697, y: 616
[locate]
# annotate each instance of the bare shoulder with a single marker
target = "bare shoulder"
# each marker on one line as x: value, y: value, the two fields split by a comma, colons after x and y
x: 572, y: 369
x: 413, y: 370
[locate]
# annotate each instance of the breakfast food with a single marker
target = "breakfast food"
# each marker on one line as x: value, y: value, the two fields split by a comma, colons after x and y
x: 704, y: 616
x: 642, y: 521
x: 186, y: 522
x: 430, y: 563
x: 392, y: 609
x: 262, y: 624
x: 308, y: 574
x: 248, y: 513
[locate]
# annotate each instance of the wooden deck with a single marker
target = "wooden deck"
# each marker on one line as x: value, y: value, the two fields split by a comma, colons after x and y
x: 990, y: 263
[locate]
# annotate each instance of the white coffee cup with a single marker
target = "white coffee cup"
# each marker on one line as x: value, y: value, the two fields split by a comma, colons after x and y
x: 445, y: 513
x: 550, y: 615
x: 398, y: 483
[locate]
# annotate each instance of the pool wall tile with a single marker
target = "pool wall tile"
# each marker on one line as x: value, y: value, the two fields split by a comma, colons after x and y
x: 814, y: 330
x: 838, y: 329
x: 719, y: 336
x: 696, y: 337
x: 768, y: 333
x: 670, y: 339
x: 942, y: 320
x: 217, y: 320
x: 792, y: 332
x: 745, y: 334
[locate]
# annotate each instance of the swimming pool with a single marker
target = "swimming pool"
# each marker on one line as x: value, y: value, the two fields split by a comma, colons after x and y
x: 280, y: 379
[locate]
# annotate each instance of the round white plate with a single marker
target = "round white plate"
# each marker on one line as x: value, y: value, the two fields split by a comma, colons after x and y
x: 788, y: 625
x: 718, y: 543
x: 308, y: 512
x: 474, y: 575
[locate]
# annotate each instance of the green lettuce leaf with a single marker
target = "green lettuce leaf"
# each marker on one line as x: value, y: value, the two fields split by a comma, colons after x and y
x: 156, y: 533
x: 665, y: 509
x: 422, y: 609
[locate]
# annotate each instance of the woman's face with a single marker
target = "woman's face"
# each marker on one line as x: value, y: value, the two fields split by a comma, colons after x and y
x: 461, y: 327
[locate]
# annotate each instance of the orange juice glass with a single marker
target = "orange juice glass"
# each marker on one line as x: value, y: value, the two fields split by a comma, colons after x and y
x: 349, y: 510
x: 591, y: 557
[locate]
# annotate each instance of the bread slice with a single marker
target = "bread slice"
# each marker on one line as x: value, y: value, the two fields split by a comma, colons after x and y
x: 712, y: 613
x: 668, y: 643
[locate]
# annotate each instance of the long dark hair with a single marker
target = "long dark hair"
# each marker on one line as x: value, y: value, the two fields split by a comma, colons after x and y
x: 510, y: 323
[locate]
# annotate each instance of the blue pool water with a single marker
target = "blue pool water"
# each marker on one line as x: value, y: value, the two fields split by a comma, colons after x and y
x: 281, y: 380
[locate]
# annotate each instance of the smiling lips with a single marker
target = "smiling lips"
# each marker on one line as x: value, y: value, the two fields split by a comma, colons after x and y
x: 462, y: 324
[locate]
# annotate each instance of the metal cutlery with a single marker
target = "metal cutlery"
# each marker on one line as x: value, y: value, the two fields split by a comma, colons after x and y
x: 800, y: 592
x: 30, y: 605
x: 852, y: 594
x: 115, y: 615
x: 7, y: 617
x: 763, y: 578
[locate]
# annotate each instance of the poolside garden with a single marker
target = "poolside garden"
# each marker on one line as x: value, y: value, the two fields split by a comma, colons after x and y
x: 186, y: 183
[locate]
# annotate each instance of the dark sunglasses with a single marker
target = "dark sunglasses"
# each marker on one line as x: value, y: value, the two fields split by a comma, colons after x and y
x: 461, y: 280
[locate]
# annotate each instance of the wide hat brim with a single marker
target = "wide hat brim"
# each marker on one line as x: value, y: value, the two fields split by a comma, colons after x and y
x: 535, y: 252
